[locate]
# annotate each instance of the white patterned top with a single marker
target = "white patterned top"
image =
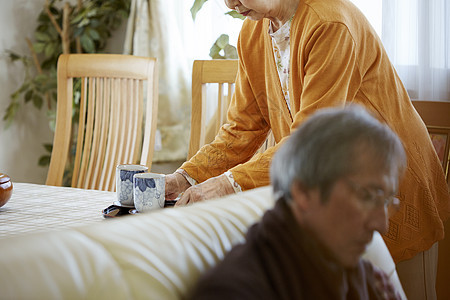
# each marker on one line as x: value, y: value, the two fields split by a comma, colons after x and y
x: 281, y: 52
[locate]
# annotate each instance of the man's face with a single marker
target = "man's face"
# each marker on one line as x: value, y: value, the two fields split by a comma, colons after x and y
x: 345, y: 223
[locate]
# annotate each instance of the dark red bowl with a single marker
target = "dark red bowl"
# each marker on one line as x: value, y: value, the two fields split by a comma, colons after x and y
x: 6, y: 188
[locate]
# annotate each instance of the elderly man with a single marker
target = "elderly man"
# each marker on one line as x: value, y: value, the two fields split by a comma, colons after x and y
x: 334, y: 179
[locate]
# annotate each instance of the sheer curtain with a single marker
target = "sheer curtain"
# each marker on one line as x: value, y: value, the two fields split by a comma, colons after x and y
x: 154, y: 30
x: 165, y: 29
x: 416, y: 35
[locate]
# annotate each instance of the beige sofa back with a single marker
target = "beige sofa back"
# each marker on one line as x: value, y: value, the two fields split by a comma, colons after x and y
x: 158, y: 255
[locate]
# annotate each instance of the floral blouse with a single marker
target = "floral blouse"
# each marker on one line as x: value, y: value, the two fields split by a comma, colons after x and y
x: 281, y: 52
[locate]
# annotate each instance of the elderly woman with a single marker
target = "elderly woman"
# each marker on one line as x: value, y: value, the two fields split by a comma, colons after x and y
x: 296, y: 56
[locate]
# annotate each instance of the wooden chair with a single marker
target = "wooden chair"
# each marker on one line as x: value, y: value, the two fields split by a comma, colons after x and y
x: 112, y: 127
x: 206, y: 74
x: 436, y: 115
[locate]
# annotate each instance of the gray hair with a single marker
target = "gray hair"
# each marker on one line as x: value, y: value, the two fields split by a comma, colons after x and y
x: 325, y: 147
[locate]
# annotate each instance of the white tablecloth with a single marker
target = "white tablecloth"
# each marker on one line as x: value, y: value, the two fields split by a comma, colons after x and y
x: 34, y: 208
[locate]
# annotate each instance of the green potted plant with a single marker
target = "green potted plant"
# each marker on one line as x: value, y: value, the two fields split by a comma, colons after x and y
x: 62, y: 28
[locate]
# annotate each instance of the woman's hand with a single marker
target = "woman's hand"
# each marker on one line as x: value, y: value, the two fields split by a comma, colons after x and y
x: 211, y: 188
x: 175, y: 185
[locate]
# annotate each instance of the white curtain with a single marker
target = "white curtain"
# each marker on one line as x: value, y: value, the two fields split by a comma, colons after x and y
x: 154, y: 30
x: 164, y: 29
x: 416, y: 35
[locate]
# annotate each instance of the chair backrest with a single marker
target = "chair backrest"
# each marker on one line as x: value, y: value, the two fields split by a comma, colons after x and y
x: 114, y: 92
x: 436, y: 116
x: 208, y: 78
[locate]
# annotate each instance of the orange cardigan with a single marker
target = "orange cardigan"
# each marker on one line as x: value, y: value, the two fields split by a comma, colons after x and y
x: 336, y: 57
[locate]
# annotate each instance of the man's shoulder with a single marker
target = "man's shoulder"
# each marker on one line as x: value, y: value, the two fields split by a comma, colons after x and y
x: 238, y: 276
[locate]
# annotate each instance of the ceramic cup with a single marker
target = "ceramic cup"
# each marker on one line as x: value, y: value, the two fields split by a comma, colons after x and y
x: 124, y: 182
x: 149, y: 191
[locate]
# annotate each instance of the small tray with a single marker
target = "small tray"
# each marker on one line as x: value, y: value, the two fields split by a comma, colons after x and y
x: 116, y: 210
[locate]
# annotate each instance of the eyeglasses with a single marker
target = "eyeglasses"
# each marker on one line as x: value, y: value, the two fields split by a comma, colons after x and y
x: 372, y: 197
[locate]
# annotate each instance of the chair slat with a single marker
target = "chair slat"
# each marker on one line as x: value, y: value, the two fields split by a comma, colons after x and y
x: 113, y: 124
x: 104, y: 98
x: 80, y: 134
x: 104, y: 178
x: 229, y: 95
x: 131, y: 134
x: 220, y: 99
x: 137, y: 144
x: 202, y: 108
x: 115, y: 132
x: 86, y: 157
x: 95, y: 148
x: 123, y: 122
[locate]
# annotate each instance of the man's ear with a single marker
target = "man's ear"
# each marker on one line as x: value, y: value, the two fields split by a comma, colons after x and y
x: 300, y: 196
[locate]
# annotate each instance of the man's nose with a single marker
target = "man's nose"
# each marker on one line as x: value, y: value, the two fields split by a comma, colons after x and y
x: 378, y: 219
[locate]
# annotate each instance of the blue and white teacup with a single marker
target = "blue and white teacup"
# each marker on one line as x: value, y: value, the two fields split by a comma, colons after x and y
x: 124, y: 182
x: 149, y: 191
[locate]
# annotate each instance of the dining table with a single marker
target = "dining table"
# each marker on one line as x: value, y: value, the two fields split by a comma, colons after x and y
x: 39, y: 208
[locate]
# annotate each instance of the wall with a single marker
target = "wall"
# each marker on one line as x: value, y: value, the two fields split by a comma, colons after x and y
x: 21, y: 144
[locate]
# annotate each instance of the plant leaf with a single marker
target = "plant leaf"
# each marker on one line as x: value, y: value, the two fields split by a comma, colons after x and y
x: 214, y: 52
x: 42, y: 36
x: 37, y: 101
x: 10, y: 113
x: 40, y: 78
x: 49, y: 50
x: 222, y: 41
x: 28, y: 95
x: 13, y: 56
x: 84, y: 22
x: 25, y: 86
x: 196, y: 7
x: 39, y: 47
x: 48, y: 147
x: 44, y: 160
x: 230, y: 52
x: 87, y: 43
x: 93, y: 34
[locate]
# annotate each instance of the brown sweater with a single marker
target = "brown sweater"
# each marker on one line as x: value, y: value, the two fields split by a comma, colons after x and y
x: 281, y: 261
x: 336, y: 58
